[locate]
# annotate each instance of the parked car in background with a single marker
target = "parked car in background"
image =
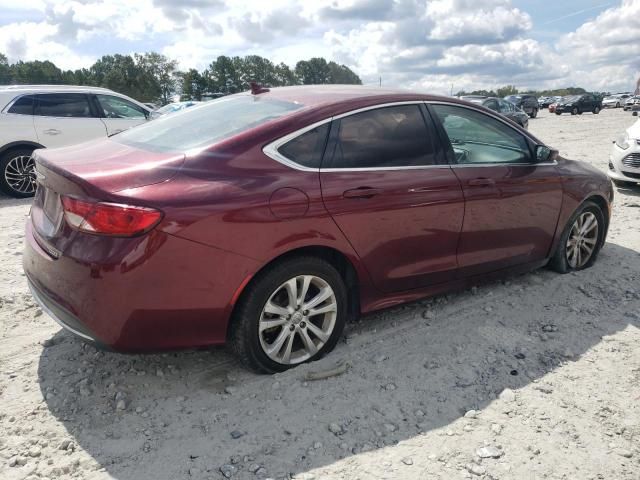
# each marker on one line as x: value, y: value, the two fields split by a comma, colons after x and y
x: 267, y: 220
x: 578, y: 104
x: 505, y: 108
x: 624, y: 160
x: 544, y: 102
x: 612, y: 101
x: 631, y: 101
x: 525, y: 102
x: 173, y: 107
x: 41, y: 116
x: 150, y: 106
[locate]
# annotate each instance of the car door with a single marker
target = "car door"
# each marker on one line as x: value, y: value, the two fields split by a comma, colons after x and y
x: 512, y: 202
x: 62, y: 119
x: 386, y: 184
x: 119, y: 114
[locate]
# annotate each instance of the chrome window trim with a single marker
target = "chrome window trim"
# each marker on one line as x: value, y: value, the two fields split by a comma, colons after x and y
x: 271, y: 149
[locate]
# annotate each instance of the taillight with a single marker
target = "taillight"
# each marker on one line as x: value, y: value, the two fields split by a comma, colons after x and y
x: 109, y: 218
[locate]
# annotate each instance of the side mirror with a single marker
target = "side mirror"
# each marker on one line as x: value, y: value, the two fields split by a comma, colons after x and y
x: 545, y: 154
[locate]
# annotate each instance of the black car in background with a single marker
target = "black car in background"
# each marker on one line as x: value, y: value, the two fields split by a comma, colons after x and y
x: 525, y: 102
x: 506, y: 109
x: 578, y: 104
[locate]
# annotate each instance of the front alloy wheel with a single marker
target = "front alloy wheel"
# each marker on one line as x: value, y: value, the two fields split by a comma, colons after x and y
x: 582, y: 240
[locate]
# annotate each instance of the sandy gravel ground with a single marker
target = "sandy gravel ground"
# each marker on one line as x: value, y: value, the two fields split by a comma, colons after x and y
x: 537, y: 376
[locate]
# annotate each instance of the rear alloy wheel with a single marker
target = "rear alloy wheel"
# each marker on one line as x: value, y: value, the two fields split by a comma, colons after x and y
x: 298, y: 320
x: 17, y: 173
x: 581, y: 240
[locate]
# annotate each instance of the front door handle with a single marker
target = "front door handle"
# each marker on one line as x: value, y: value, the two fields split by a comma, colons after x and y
x: 362, y: 192
x: 52, y: 131
x: 481, y: 182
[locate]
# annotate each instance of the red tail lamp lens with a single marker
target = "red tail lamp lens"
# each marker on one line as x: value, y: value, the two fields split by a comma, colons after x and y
x: 109, y: 218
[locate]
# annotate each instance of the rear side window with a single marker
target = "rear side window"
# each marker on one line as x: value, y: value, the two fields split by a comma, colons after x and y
x: 22, y: 106
x: 382, y: 138
x: 206, y: 124
x: 307, y: 149
x: 74, y: 105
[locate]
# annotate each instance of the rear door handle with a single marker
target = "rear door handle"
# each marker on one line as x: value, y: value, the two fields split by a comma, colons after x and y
x: 362, y: 192
x: 52, y: 131
x: 481, y: 182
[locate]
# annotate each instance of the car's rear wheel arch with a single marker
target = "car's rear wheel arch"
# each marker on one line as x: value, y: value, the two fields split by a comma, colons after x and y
x: 331, y: 255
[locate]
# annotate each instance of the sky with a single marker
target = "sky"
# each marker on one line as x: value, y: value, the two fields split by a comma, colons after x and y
x: 434, y: 45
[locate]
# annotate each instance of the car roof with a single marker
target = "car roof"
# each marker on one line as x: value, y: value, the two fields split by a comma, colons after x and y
x: 57, y: 88
x: 325, y: 95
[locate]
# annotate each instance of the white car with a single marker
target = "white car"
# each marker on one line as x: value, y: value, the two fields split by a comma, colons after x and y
x: 615, y: 101
x: 49, y: 116
x: 631, y: 101
x: 624, y: 160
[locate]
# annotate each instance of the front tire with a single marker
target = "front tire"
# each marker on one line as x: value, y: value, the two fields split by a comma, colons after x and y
x: 17, y: 173
x: 292, y: 313
x: 581, y: 240
x: 596, y: 110
x: 575, y: 111
x: 534, y: 113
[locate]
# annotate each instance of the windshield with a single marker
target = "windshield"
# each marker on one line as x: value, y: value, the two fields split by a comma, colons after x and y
x: 206, y: 124
x: 513, y: 98
x: 571, y: 98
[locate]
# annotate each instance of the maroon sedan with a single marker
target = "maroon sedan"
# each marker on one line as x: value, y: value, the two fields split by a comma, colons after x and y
x: 267, y: 219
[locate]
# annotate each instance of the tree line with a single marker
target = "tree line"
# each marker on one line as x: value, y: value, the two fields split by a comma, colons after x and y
x: 153, y: 77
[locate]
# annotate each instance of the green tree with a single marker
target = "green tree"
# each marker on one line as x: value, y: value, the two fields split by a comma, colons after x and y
x: 314, y: 71
x: 5, y: 76
x: 506, y: 91
x: 194, y: 85
x: 342, y: 74
x: 223, y: 75
x: 122, y: 74
x: 35, y: 72
x: 284, y: 76
x: 159, y: 74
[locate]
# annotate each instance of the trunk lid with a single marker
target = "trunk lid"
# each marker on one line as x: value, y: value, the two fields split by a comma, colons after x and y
x: 94, y: 170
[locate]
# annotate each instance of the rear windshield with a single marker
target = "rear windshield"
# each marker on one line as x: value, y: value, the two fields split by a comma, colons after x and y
x: 205, y: 124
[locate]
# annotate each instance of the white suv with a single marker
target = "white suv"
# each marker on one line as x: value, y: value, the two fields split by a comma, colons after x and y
x: 49, y: 116
x: 624, y: 160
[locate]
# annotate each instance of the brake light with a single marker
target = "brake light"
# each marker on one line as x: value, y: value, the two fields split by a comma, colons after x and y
x: 109, y: 218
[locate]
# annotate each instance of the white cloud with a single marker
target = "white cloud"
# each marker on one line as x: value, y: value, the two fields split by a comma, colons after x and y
x: 410, y: 43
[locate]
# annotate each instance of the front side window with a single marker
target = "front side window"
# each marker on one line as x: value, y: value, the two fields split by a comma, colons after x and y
x: 307, y: 149
x: 114, y: 107
x: 492, y: 104
x: 22, y: 106
x: 381, y: 138
x: 477, y: 138
x: 206, y: 124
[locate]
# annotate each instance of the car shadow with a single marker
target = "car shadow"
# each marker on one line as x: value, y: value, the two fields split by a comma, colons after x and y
x: 412, y: 369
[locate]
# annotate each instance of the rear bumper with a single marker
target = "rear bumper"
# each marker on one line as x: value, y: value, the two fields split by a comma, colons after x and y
x: 62, y: 317
x: 147, y: 293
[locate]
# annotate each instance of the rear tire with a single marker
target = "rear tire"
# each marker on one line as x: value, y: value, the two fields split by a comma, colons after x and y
x: 534, y: 113
x: 561, y: 261
x: 575, y: 111
x: 17, y: 173
x: 596, y: 110
x: 256, y: 346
